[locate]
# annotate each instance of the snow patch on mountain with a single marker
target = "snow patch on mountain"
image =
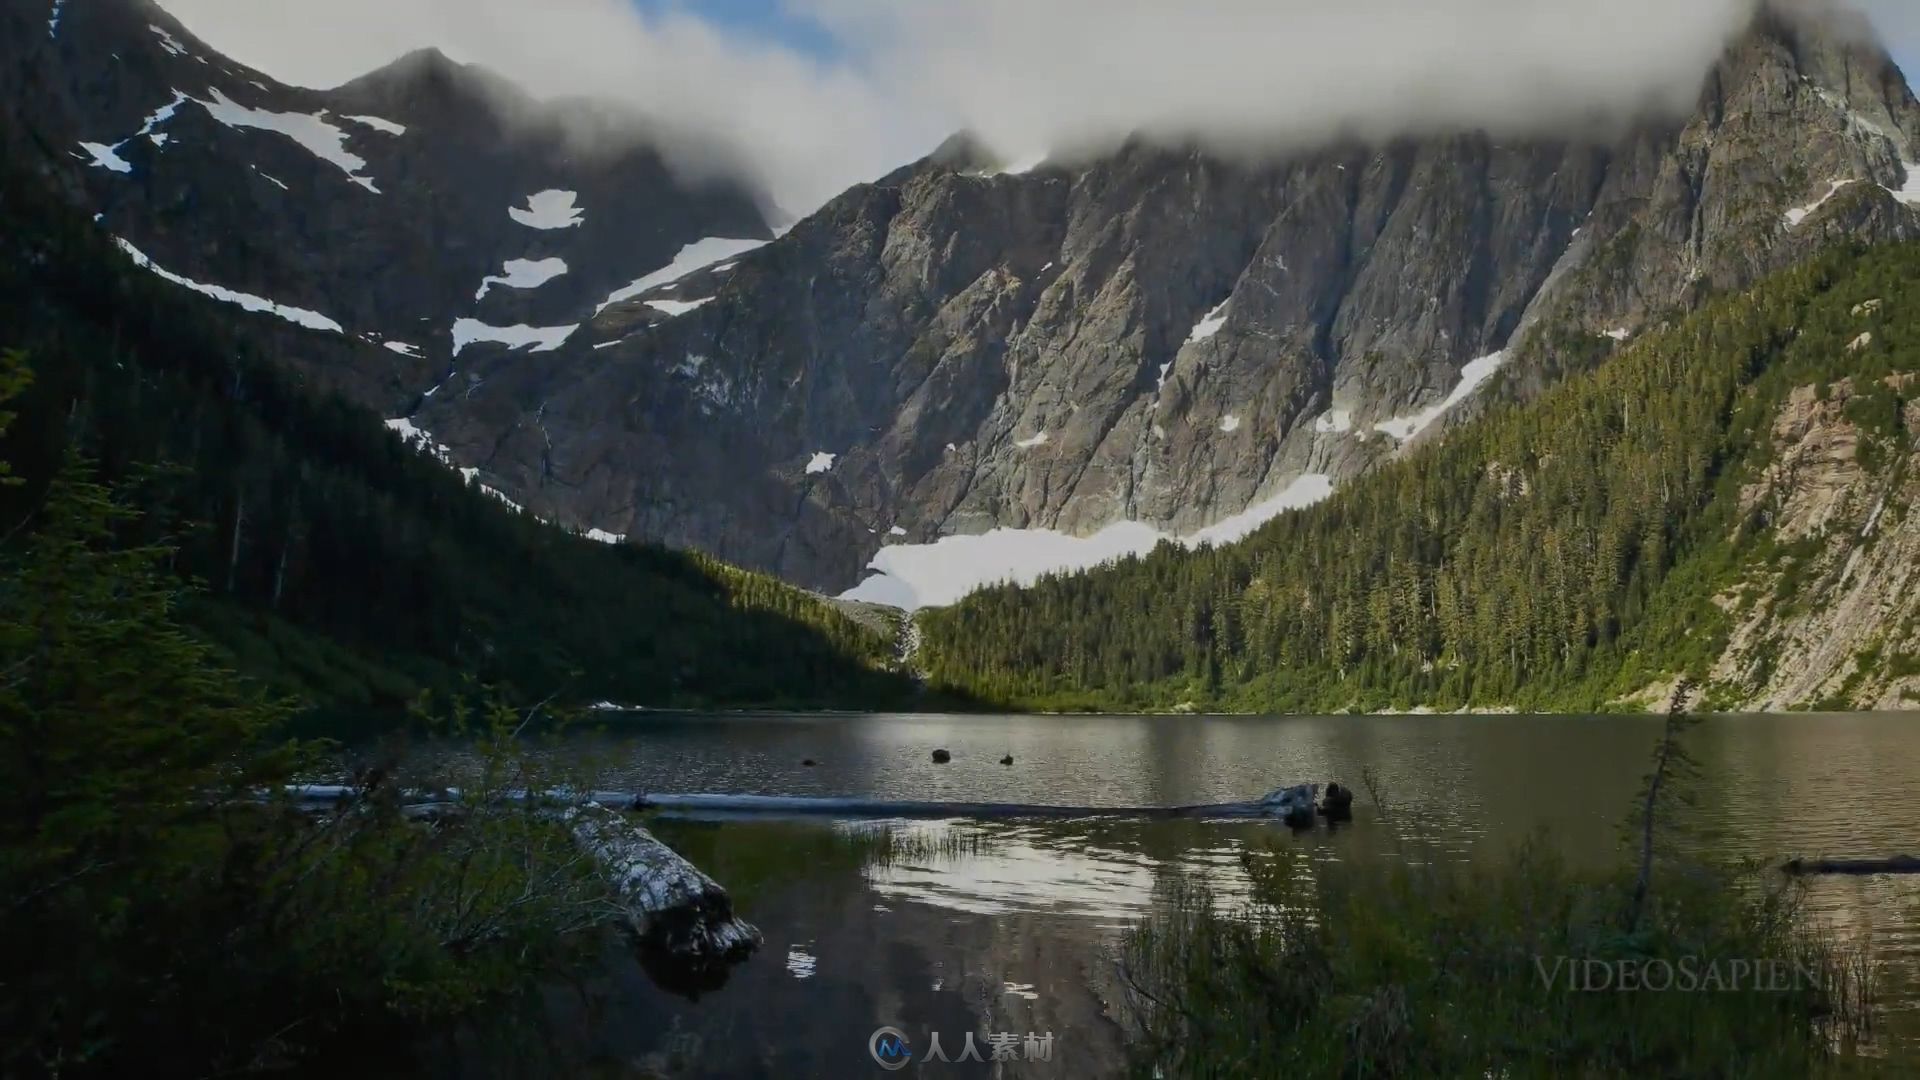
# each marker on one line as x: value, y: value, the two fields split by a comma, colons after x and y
x: 822, y: 462
x: 500, y: 495
x: 312, y: 320
x: 695, y: 256
x: 535, y: 338
x: 1303, y: 492
x: 679, y: 307
x: 551, y: 209
x: 915, y: 576
x: 1909, y: 191
x: 270, y: 179
x: 1334, y: 422
x: 604, y: 537
x: 1230, y: 424
x: 168, y: 41
x: 377, y: 124
x: 403, y: 349
x: 1031, y: 441
x: 1472, y: 377
x: 523, y: 274
x: 107, y: 157
x: 53, y: 21
x: 1210, y: 324
x: 1801, y: 213
x: 310, y: 130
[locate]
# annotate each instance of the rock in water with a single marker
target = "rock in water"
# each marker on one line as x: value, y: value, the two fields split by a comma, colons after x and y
x: 1008, y: 760
x: 941, y: 757
x: 1338, y: 803
x: 683, y: 918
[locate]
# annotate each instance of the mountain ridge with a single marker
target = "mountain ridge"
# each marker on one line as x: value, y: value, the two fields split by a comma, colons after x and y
x: 1157, y: 342
x: 1167, y: 338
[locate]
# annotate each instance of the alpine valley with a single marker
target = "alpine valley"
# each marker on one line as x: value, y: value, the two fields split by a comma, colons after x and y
x: 1452, y: 420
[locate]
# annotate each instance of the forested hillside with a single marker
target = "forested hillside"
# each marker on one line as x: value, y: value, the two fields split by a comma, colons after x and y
x: 339, y: 563
x: 1730, y: 496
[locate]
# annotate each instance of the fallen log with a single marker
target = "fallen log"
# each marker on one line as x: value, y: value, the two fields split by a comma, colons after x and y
x: 1295, y: 805
x: 1898, y: 864
x: 670, y: 905
x: 684, y: 921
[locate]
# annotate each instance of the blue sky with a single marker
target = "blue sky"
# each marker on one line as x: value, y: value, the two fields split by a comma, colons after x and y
x: 768, y: 20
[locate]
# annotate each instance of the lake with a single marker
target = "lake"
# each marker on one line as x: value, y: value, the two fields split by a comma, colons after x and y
x: 1010, y: 926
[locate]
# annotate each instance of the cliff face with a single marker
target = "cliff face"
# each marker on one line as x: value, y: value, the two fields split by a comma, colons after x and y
x: 1834, y: 620
x: 1160, y: 336
x: 1166, y: 337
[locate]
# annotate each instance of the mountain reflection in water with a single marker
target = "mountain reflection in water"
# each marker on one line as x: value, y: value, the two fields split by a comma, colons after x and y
x: 1011, y: 925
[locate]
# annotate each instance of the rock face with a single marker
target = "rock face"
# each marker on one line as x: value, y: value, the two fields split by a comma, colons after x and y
x: 1167, y: 337
x: 1835, y: 622
x: 1159, y: 335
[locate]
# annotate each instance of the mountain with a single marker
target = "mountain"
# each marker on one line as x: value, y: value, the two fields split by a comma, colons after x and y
x: 425, y: 213
x: 965, y: 370
x: 1733, y: 498
x: 334, y: 561
x: 1161, y: 340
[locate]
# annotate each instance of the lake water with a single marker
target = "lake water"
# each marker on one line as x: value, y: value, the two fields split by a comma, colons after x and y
x: 1016, y: 933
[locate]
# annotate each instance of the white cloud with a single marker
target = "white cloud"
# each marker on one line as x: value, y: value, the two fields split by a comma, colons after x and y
x: 1034, y: 75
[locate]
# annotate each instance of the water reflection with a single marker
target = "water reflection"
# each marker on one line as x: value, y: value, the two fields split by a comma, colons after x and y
x: 1017, y: 932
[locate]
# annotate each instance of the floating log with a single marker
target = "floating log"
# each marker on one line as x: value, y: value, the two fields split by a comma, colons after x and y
x: 685, y: 923
x: 1898, y: 864
x: 680, y: 915
x: 1293, y: 805
x: 1296, y: 803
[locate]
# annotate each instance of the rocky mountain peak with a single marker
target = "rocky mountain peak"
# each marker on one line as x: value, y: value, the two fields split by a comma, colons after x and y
x: 1015, y: 358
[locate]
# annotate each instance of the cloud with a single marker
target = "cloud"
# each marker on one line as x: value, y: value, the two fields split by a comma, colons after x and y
x: 807, y: 128
x: 1031, y: 75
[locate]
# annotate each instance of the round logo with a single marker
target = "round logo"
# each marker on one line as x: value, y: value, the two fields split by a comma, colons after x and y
x: 889, y: 1048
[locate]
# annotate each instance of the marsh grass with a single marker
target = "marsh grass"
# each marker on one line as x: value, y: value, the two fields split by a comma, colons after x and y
x: 1431, y: 967
x: 1442, y: 970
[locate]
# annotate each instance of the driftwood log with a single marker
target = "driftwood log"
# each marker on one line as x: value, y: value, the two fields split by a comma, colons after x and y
x: 684, y: 921
x: 682, y: 917
x: 1898, y: 864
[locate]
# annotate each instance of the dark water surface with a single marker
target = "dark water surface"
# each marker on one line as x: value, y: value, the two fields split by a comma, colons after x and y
x: 1016, y: 933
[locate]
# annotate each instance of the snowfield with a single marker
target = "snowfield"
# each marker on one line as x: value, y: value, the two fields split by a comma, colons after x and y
x: 915, y: 576
x: 695, y: 256
x: 551, y: 209
x: 535, y: 338
x: 1210, y: 324
x: 1472, y: 377
x: 312, y: 320
x: 311, y: 131
x: 523, y: 274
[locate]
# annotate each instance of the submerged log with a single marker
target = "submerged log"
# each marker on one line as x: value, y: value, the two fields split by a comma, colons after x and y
x: 1293, y: 805
x: 679, y: 914
x: 1898, y: 864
